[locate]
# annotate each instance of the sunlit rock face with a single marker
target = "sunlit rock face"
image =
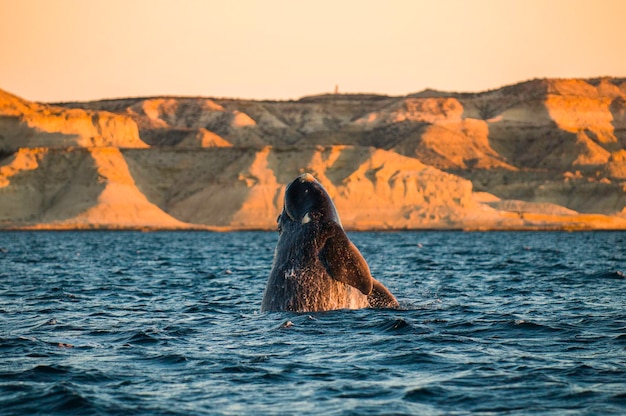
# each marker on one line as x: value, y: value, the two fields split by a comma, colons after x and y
x: 28, y: 124
x: 539, y: 154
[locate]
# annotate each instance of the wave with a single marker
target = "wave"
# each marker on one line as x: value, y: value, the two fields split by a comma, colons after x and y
x: 58, y: 398
x: 614, y: 274
x: 46, y: 373
x: 523, y: 325
x: 43, y: 373
x: 171, y: 359
x: 426, y: 394
x: 143, y: 337
x: 400, y: 326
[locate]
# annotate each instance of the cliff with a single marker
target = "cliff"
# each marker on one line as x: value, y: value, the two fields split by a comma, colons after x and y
x: 28, y: 124
x: 543, y: 154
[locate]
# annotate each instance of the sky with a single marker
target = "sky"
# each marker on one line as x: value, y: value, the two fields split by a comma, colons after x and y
x: 79, y: 50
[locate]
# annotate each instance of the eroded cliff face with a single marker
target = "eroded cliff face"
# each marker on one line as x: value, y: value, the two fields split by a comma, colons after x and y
x: 77, y: 188
x: 372, y: 188
x: 536, y: 155
x: 28, y: 124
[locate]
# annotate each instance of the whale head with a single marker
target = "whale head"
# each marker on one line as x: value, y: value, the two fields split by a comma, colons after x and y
x: 306, y: 201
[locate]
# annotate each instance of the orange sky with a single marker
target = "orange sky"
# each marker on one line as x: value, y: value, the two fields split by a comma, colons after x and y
x: 65, y: 50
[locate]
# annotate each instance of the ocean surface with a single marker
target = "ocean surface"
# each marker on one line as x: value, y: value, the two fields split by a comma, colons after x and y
x: 169, y: 323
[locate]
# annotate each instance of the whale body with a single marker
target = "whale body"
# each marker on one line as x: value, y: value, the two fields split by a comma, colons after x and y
x: 316, y: 267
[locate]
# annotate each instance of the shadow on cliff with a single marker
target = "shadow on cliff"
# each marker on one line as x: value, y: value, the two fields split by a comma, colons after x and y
x: 618, y: 111
x: 198, y: 186
x: 49, y: 185
x: 532, y: 140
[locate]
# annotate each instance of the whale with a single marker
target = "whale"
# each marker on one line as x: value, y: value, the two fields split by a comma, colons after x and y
x: 316, y: 267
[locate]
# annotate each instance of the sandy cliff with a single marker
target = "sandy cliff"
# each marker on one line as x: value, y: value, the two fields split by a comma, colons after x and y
x: 80, y: 188
x: 541, y: 154
x: 28, y: 124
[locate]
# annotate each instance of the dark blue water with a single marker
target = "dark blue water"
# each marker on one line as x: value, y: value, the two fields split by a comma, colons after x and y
x: 169, y: 323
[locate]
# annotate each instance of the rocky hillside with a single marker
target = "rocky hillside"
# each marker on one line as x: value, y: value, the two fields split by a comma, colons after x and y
x: 542, y: 154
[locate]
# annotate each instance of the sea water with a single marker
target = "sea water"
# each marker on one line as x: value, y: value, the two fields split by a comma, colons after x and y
x: 169, y: 323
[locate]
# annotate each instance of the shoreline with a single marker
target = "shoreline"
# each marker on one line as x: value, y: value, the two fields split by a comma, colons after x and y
x: 209, y: 229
